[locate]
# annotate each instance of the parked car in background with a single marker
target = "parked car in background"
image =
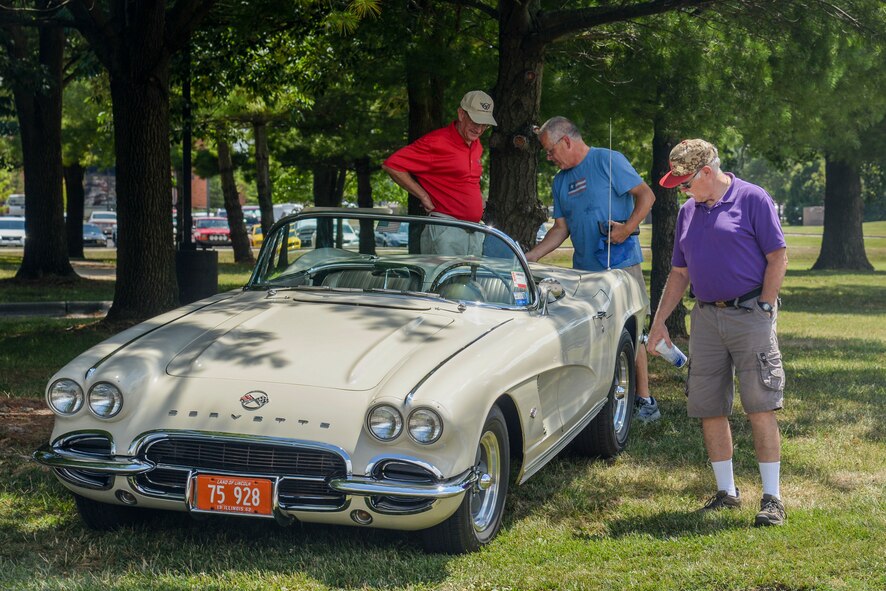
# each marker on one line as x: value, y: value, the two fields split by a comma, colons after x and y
x: 16, y: 204
x: 12, y: 231
x: 256, y: 238
x: 306, y: 230
x: 211, y: 231
x: 106, y: 220
x: 94, y: 236
x: 542, y: 232
x: 394, y: 390
x: 392, y: 234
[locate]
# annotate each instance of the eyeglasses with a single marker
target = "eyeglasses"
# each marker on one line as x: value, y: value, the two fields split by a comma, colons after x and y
x: 548, y: 151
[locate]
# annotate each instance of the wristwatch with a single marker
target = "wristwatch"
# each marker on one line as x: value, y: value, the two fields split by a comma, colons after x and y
x: 765, y: 306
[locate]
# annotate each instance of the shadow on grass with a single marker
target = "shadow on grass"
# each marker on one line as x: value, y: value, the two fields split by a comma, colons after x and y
x: 845, y: 298
x: 179, y: 546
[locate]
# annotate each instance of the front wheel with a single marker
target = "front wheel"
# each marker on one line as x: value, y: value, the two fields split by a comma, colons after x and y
x: 607, y: 434
x: 478, y: 519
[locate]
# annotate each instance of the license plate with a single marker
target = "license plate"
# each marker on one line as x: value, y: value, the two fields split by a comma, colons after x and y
x: 232, y: 494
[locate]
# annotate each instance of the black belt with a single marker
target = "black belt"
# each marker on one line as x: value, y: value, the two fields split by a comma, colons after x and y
x: 734, y: 303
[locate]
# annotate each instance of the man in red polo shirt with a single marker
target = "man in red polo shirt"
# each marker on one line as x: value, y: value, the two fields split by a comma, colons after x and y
x: 442, y: 169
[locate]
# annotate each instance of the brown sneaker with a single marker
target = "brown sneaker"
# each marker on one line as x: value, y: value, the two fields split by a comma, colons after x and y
x: 771, y: 512
x: 722, y: 500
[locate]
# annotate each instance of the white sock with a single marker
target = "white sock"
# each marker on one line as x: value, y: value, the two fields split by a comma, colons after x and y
x: 769, y: 473
x: 723, y: 474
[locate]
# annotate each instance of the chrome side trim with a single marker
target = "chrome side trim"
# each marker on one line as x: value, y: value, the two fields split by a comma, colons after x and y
x: 547, y: 456
x: 359, y: 485
x: 415, y: 388
x: 59, y: 458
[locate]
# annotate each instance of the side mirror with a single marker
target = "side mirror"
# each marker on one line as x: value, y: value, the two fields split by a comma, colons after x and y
x: 549, y: 290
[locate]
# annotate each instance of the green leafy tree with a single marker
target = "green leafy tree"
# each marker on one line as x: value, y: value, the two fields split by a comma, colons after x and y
x: 87, y: 140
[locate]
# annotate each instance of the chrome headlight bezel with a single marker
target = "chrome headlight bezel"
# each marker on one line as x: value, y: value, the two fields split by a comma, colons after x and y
x: 377, y: 416
x: 74, y: 391
x: 105, y: 400
x: 425, y: 426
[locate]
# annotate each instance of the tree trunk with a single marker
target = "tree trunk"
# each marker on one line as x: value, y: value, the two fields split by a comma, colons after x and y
x: 263, y: 175
x: 326, y: 185
x: 842, y: 244
x: 39, y: 110
x: 664, y: 222
x: 513, y: 204
x: 239, y: 240
x: 146, y: 282
x: 74, y: 224
x: 364, y: 199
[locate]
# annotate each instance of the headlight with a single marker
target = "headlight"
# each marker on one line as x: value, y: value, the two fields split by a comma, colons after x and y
x: 105, y: 400
x: 384, y: 422
x: 65, y: 397
x: 425, y: 426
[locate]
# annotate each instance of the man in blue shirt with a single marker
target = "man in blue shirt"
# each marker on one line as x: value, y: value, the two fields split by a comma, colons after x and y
x: 583, y: 193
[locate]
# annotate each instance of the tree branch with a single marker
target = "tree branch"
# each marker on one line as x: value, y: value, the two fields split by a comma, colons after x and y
x: 477, y: 5
x: 559, y: 24
x: 181, y: 21
x: 93, y: 24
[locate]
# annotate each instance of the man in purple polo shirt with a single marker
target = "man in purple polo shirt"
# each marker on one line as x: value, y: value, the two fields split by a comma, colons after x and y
x: 729, y: 245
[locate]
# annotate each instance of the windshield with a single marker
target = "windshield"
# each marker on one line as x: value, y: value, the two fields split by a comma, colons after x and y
x: 377, y: 253
x: 212, y: 223
x: 12, y: 225
x: 105, y: 216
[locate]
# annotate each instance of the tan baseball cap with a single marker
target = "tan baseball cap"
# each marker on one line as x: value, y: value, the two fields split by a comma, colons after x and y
x: 687, y: 158
x: 478, y: 105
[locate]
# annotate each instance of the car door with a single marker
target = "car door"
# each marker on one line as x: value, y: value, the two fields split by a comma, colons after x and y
x: 587, y: 329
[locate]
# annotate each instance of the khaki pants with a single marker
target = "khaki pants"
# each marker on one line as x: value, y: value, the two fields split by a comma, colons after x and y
x: 449, y: 240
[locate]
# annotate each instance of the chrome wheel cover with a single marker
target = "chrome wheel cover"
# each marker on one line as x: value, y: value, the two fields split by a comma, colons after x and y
x: 621, y: 387
x: 484, y: 501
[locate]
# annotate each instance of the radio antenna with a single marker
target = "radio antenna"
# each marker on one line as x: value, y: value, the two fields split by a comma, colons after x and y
x: 609, y: 221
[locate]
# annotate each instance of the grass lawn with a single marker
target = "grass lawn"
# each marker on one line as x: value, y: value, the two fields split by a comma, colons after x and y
x: 577, y: 524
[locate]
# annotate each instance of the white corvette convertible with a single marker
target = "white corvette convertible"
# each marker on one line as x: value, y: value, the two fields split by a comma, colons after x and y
x: 351, y: 383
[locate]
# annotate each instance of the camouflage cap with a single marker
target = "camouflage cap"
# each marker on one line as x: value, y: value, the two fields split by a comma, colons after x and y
x: 687, y: 158
x: 478, y: 105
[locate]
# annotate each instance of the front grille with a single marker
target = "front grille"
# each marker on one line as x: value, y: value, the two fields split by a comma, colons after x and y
x: 404, y: 472
x: 245, y: 457
x: 304, y: 471
x: 95, y: 445
x: 92, y: 445
x: 86, y: 478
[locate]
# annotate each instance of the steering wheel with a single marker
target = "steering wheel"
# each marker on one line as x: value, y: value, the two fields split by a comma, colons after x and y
x: 441, y: 277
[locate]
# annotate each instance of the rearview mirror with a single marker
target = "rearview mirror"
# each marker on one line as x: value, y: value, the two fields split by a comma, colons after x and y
x: 549, y: 290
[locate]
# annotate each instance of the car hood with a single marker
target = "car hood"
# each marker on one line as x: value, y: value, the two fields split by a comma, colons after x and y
x: 344, y: 342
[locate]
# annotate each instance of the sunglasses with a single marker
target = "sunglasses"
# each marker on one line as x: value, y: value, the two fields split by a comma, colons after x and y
x: 685, y: 185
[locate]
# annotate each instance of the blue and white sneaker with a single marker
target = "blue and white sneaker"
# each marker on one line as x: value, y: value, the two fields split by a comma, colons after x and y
x: 647, y: 410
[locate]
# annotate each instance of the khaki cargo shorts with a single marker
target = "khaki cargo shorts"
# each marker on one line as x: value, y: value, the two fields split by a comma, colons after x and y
x: 726, y: 343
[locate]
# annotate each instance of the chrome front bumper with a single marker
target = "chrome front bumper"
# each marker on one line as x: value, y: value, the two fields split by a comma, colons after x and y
x: 366, y: 486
